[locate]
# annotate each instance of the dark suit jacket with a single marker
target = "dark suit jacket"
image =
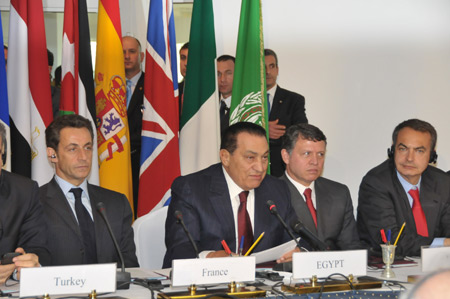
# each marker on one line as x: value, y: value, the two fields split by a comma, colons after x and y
x: 383, y: 204
x: 21, y: 217
x: 134, y: 113
x: 289, y: 108
x: 204, y: 200
x: 336, y: 225
x: 64, y: 237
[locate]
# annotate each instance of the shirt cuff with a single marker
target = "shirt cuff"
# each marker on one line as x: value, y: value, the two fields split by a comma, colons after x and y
x: 203, y: 254
x: 437, y: 242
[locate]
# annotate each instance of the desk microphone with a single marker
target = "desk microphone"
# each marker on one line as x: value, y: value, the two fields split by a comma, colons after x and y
x: 300, y: 229
x: 273, y: 209
x: 123, y: 278
x: 179, y: 217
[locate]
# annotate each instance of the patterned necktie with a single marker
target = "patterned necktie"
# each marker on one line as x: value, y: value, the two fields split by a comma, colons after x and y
x: 244, y: 223
x: 86, y: 227
x: 129, y: 93
x: 310, y: 205
x: 419, y: 215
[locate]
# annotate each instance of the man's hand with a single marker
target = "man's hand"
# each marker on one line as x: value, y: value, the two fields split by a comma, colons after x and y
x: 276, y: 130
x: 25, y: 260
x: 447, y: 242
x: 5, y: 272
x: 287, y: 257
x: 220, y: 253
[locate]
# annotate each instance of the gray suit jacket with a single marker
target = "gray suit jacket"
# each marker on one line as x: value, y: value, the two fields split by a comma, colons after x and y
x: 336, y: 224
x: 64, y: 237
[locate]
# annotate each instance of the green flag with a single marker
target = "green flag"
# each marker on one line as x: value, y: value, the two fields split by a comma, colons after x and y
x: 249, y: 99
x: 200, y: 122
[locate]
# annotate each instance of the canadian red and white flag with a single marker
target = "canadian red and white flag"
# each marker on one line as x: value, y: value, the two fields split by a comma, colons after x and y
x: 30, y: 101
x: 77, y: 85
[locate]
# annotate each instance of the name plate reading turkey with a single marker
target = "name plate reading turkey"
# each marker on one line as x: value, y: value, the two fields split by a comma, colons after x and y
x: 435, y: 258
x: 324, y: 263
x: 64, y: 280
x: 212, y: 270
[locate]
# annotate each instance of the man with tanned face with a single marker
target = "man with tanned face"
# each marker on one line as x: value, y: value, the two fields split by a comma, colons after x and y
x: 133, y: 57
x: 406, y: 189
x: 286, y: 108
x: 228, y: 200
x: 225, y: 74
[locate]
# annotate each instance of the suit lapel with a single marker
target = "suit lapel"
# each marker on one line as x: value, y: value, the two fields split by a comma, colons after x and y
x: 429, y: 202
x: 276, y: 103
x: 324, y: 205
x: 58, y: 202
x: 99, y: 224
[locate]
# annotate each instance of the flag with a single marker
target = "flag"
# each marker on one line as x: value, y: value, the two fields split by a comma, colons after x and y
x: 30, y: 100
x: 160, y: 163
x: 4, y: 109
x: 78, y: 96
x: 249, y: 96
x: 110, y: 95
x: 200, y: 122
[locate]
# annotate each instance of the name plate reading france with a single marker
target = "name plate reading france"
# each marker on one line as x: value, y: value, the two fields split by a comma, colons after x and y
x: 213, y: 270
x: 324, y: 263
x: 64, y: 280
x: 435, y: 258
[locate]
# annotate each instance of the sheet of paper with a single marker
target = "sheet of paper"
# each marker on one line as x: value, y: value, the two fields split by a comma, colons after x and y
x: 274, y: 253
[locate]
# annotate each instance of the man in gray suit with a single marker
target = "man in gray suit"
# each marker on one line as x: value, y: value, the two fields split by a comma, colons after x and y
x: 324, y: 206
x: 76, y: 232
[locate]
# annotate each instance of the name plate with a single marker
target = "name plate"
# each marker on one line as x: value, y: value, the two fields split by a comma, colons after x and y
x: 64, y: 280
x: 324, y: 263
x: 435, y: 258
x: 213, y: 270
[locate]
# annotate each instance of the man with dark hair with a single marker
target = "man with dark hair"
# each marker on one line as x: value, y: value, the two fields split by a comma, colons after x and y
x: 184, y: 51
x: 76, y: 233
x: 324, y: 206
x: 23, y: 227
x: 285, y: 107
x: 225, y: 74
x: 406, y: 189
x: 134, y: 56
x: 229, y: 200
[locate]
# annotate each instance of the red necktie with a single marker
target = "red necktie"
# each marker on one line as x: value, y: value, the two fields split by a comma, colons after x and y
x: 419, y: 215
x: 244, y: 223
x: 310, y: 205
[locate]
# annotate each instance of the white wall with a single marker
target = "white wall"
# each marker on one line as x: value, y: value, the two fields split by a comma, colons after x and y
x: 363, y: 67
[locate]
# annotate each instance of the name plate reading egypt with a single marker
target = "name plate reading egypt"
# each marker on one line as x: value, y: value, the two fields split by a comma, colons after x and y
x: 435, y: 258
x: 324, y: 263
x: 64, y: 280
x: 212, y: 270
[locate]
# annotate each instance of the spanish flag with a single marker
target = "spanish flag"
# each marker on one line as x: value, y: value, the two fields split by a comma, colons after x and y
x: 110, y: 100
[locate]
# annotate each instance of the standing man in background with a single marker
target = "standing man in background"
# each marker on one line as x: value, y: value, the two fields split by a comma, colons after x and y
x: 184, y: 51
x: 134, y: 56
x: 285, y: 107
x: 225, y: 74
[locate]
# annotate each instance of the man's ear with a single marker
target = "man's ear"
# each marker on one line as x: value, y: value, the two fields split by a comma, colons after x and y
x: 51, y: 154
x: 225, y: 157
x: 285, y: 156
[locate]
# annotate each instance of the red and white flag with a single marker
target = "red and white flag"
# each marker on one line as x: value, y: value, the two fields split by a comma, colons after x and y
x: 77, y: 85
x: 30, y: 100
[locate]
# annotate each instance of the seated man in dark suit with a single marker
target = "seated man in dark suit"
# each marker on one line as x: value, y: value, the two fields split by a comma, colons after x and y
x: 76, y: 232
x: 324, y: 206
x: 22, y: 228
x: 229, y: 200
x: 405, y: 188
x: 285, y: 107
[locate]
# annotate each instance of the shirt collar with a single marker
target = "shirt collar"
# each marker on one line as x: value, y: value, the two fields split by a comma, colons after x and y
x: 135, y: 79
x: 301, y: 188
x: 407, y: 185
x: 233, y: 188
x: 272, y: 91
x: 66, y: 186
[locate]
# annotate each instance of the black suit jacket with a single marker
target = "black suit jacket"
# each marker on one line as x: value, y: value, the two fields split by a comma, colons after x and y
x: 134, y: 113
x: 21, y: 217
x: 204, y: 200
x: 336, y: 224
x: 64, y: 237
x: 289, y: 108
x: 383, y: 204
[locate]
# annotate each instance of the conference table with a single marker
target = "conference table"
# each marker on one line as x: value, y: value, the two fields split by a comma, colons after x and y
x: 392, y: 287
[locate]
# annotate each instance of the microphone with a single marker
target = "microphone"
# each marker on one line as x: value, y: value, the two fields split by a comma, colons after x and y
x: 300, y: 229
x: 123, y: 278
x: 179, y: 217
x: 273, y: 209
